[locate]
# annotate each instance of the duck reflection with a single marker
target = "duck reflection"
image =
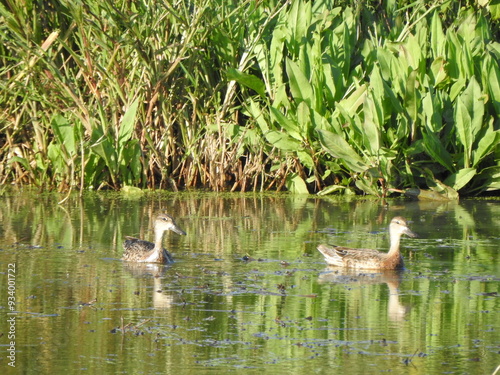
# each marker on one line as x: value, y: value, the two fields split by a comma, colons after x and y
x: 396, y: 311
x: 151, y: 273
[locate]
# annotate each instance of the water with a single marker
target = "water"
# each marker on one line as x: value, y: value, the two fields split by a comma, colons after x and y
x: 249, y: 291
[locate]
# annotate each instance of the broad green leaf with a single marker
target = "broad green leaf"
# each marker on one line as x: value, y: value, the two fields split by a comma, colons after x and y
x: 457, y: 88
x: 130, y: 161
x: 281, y: 97
x: 493, y: 80
x: 371, y: 132
x: 487, y: 143
x: 256, y: 112
x: 411, y: 96
x: 305, y: 159
x: 414, y: 52
x: 436, y: 150
x: 290, y: 126
x: 299, y: 19
x: 296, y: 184
x: 464, y: 129
x: 299, y: 84
x: 65, y: 133
x: 345, y: 62
x: 247, y: 80
x: 330, y: 189
x: 454, y: 55
x: 331, y: 75
x: 473, y: 100
x: 461, y: 178
x: 282, y: 141
x: 438, y: 70
x: 377, y: 92
x: 337, y: 146
x: 438, y: 39
x: 304, y: 120
x: 353, y: 101
x: 275, y: 72
x: 490, y: 178
x: 369, y: 187
x: 495, y: 9
x: 385, y: 59
x: 58, y: 162
x: 393, y: 100
x: 127, y: 124
x: 431, y: 106
x: 107, y: 152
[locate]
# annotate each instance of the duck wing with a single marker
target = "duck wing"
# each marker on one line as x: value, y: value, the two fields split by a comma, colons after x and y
x: 137, y: 245
x: 347, y: 257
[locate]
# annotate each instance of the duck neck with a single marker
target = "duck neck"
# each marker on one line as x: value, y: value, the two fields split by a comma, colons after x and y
x: 158, y: 240
x: 394, y: 246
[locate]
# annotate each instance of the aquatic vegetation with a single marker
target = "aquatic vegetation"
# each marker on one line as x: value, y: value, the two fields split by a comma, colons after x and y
x: 306, y: 96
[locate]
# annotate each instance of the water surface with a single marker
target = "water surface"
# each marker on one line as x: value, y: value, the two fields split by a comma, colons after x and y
x: 248, y: 291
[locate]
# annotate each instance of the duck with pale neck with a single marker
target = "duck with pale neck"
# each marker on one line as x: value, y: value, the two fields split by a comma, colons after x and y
x: 137, y: 250
x: 368, y: 258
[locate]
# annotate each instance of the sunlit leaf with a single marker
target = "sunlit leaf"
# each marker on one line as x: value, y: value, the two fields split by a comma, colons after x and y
x: 337, y: 146
x: 296, y: 184
x: 247, y: 80
x: 65, y: 133
x: 461, y: 178
x: 128, y: 123
x: 437, y: 36
x: 369, y: 187
x: 411, y: 96
x: 371, y: 132
x: 282, y: 141
x: 438, y: 70
x: 432, y: 108
x: 487, y: 143
x: 257, y: 113
x: 305, y: 159
x: 290, y: 126
x: 463, y: 125
x: 299, y: 84
x: 331, y: 189
x: 493, y: 80
x: 353, y: 101
x: 490, y: 179
x: 473, y: 99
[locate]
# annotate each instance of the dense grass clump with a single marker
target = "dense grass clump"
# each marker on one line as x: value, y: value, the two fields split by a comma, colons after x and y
x: 309, y: 96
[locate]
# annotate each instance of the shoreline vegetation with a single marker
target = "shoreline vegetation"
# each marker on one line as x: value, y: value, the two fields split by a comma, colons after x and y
x: 307, y: 96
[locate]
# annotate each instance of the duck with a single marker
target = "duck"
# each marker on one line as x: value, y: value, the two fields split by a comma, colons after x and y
x: 137, y: 250
x: 368, y: 258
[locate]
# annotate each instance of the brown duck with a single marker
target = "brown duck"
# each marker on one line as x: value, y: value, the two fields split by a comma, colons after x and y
x: 137, y: 250
x: 368, y: 258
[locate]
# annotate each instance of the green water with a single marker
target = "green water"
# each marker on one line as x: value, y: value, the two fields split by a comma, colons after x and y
x: 82, y: 310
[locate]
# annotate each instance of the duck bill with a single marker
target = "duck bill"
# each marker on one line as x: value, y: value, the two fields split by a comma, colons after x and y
x: 409, y: 233
x: 178, y: 230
